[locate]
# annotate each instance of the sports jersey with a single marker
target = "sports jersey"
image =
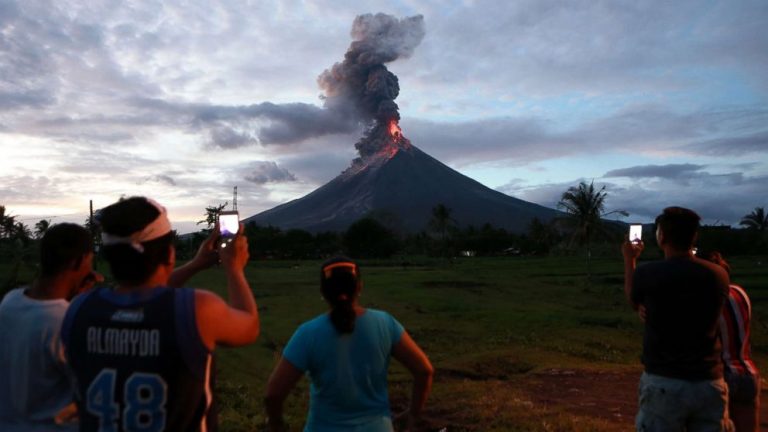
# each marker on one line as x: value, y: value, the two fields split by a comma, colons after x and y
x: 734, y: 333
x: 34, y: 385
x: 138, y: 361
x: 348, y: 391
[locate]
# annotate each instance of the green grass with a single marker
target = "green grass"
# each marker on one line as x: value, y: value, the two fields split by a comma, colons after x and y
x: 487, y: 324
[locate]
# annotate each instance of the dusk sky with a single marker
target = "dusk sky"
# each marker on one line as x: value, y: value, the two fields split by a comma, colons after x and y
x: 663, y: 102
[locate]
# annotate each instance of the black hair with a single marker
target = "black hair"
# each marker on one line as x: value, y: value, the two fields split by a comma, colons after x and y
x: 678, y: 226
x: 339, y: 286
x: 124, y: 218
x: 717, y: 258
x: 63, y: 247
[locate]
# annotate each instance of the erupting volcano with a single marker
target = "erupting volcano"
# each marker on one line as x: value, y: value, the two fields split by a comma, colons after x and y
x: 390, y: 175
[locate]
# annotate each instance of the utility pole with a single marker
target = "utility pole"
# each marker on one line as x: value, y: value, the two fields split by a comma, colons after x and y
x: 234, y: 200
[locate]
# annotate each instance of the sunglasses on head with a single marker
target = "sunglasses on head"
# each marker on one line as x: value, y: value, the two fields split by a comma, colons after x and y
x: 328, y: 271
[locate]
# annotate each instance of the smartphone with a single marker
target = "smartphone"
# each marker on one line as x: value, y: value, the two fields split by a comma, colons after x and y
x: 635, y: 233
x: 229, y: 223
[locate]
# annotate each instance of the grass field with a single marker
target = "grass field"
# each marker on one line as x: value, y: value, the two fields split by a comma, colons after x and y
x: 500, y: 331
x: 519, y: 343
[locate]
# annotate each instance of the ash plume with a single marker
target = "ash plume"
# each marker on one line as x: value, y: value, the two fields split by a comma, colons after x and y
x: 361, y: 85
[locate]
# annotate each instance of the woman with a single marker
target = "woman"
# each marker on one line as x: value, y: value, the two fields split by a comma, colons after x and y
x: 740, y: 371
x: 346, y: 353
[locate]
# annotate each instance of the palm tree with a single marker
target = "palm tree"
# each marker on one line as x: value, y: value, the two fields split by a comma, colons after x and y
x: 585, y: 206
x: 756, y: 220
x: 441, y: 222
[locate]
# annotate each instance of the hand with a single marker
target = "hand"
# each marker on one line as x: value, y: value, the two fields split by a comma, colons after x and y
x: 207, y: 254
x: 234, y: 253
x: 631, y: 250
x: 642, y: 313
x: 67, y: 415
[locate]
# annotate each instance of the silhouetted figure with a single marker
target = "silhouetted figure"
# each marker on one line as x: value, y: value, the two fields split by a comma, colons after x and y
x: 682, y: 388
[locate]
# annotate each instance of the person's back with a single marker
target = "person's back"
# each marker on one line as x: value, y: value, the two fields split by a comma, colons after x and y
x: 346, y: 353
x: 141, y: 351
x: 144, y: 346
x: 682, y: 298
x: 34, y: 387
x: 348, y: 372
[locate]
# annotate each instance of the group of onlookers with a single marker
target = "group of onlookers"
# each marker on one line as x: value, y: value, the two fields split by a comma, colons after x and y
x: 138, y: 356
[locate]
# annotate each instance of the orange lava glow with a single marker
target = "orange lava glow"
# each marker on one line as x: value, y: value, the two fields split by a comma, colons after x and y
x: 394, y: 130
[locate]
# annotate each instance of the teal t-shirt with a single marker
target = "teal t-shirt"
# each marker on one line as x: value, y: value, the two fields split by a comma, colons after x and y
x: 348, y: 373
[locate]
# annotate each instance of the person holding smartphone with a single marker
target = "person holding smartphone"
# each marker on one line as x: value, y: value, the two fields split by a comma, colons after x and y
x: 346, y: 353
x: 682, y: 387
x: 141, y: 352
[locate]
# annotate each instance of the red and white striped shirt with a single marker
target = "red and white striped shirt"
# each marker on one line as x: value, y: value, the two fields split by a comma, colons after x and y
x: 734, y: 333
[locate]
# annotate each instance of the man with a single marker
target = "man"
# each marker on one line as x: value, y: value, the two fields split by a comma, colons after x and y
x: 141, y: 352
x: 682, y: 388
x: 34, y: 385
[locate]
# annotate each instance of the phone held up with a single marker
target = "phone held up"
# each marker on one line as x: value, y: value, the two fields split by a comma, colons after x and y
x: 229, y: 225
x: 635, y: 233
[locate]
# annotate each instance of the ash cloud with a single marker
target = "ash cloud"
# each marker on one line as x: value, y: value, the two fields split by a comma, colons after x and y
x: 361, y: 85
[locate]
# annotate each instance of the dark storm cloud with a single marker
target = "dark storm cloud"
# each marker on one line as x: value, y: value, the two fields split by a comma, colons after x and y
x: 670, y: 171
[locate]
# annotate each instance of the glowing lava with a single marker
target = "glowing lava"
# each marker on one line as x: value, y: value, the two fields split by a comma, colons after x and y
x: 394, y: 130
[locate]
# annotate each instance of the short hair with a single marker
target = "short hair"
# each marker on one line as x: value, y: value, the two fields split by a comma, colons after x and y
x: 679, y: 226
x: 339, y: 282
x: 124, y: 218
x: 63, y: 247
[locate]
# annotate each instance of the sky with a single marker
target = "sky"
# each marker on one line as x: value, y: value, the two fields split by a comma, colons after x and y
x: 663, y: 103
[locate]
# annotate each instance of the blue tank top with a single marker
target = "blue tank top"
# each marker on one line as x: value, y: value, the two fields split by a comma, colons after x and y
x: 139, y: 362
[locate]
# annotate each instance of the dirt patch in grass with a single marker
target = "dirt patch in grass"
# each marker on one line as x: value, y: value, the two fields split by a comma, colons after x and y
x: 611, y: 396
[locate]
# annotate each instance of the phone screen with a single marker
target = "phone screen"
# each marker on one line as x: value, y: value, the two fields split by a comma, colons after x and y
x: 229, y: 223
x: 635, y: 233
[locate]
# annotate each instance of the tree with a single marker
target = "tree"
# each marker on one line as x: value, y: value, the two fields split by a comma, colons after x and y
x: 757, y: 220
x: 441, y: 223
x: 585, y: 207
x: 211, y: 214
x: 368, y: 238
x: 41, y: 227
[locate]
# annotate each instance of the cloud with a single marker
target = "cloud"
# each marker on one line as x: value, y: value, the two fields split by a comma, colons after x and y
x: 734, y: 146
x: 718, y: 198
x: 670, y: 171
x: 261, y: 172
x: 160, y: 178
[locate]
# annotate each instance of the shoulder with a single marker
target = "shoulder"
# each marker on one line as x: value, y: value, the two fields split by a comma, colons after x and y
x: 11, y: 297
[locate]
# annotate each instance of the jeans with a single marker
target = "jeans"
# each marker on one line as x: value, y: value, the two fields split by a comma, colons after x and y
x: 669, y: 404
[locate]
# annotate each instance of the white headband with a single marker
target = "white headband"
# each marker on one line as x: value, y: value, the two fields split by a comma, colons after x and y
x: 157, y: 228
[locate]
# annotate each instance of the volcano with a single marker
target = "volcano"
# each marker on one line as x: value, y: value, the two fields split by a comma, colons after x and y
x: 403, y: 183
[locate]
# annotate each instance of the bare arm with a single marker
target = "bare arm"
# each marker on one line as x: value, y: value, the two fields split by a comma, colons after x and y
x: 206, y: 256
x: 413, y: 358
x: 281, y: 382
x: 631, y: 251
x: 237, y: 322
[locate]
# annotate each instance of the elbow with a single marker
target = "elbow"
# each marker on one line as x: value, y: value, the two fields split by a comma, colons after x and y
x: 254, y: 330
x: 426, y: 371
